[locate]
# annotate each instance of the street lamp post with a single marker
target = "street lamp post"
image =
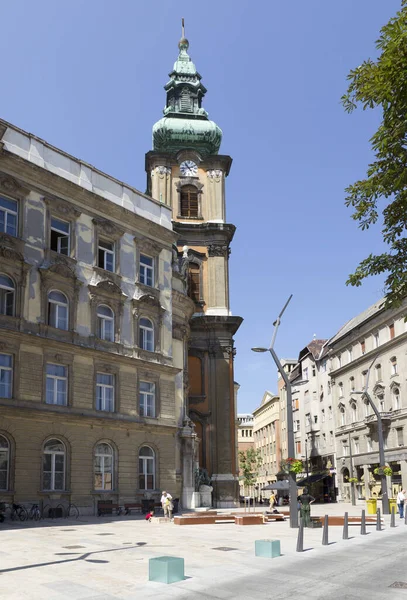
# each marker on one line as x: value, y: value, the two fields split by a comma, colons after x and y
x: 382, y: 459
x: 290, y: 428
x: 352, y: 485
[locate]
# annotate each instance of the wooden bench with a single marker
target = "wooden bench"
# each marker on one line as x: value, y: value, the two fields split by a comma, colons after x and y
x: 105, y: 508
x: 132, y: 506
x: 203, y: 519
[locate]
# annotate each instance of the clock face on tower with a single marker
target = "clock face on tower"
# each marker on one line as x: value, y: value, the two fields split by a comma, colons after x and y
x: 188, y: 168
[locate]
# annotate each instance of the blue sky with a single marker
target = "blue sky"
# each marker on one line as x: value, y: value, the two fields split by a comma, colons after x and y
x: 88, y: 77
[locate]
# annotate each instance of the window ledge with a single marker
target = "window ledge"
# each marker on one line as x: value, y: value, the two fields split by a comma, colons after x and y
x: 190, y: 218
x: 54, y: 493
x: 148, y: 289
x: 104, y: 492
x: 58, y: 257
x: 111, y: 275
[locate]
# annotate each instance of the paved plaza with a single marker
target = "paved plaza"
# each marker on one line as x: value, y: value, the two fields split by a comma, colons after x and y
x: 107, y: 559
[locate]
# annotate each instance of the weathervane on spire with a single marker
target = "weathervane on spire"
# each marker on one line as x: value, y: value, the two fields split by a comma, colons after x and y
x: 183, y: 43
x: 183, y: 28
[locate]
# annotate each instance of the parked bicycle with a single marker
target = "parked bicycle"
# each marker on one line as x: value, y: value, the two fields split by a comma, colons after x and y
x: 34, y: 513
x: 72, y: 511
x: 18, y: 512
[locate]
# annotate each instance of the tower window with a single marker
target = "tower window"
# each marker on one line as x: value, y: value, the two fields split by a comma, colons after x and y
x: 189, y: 201
x: 194, y: 283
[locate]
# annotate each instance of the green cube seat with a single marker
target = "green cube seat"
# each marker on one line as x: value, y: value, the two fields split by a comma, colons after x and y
x: 267, y: 548
x: 166, y: 569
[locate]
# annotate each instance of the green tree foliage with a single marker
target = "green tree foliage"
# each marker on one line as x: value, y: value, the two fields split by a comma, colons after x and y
x: 249, y: 461
x: 383, y: 84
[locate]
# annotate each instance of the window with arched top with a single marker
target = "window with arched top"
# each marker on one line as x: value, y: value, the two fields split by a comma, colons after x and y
x: 342, y: 414
x: 354, y: 410
x: 146, y: 334
x: 7, y: 295
x: 396, y: 398
x: 146, y: 468
x: 189, y: 201
x: 104, y: 466
x: 4, y: 463
x: 105, y: 323
x: 53, y: 466
x: 393, y: 365
x: 58, y: 310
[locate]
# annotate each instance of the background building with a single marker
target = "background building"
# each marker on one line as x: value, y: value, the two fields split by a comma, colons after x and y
x: 244, y: 440
x: 266, y: 435
x: 380, y: 335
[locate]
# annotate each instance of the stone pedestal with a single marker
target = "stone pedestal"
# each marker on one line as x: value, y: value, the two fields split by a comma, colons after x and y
x: 195, y: 500
x: 205, y: 492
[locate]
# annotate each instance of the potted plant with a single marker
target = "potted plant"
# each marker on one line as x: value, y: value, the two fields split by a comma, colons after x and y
x: 292, y: 465
x: 388, y: 471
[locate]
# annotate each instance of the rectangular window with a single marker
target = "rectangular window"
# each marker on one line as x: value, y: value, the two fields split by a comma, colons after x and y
x: 352, y: 384
x: 308, y: 419
x: 339, y: 361
x: 345, y: 448
x: 60, y: 231
x: 356, y: 447
x: 56, y: 385
x: 315, y: 418
x: 329, y: 412
x: 6, y: 376
x: 364, y: 379
x: 146, y: 270
x: 400, y: 436
x: 305, y: 373
x: 323, y: 416
x: 323, y: 440
x: 298, y: 447
x: 393, y: 366
x: 350, y: 354
x: 391, y: 331
x: 369, y: 443
x: 363, y: 346
x: 378, y: 373
x: 105, y: 392
x: 106, y: 255
x: 323, y: 366
x: 314, y: 371
x: 147, y: 400
x: 376, y: 339
x: 331, y: 437
x: 8, y: 216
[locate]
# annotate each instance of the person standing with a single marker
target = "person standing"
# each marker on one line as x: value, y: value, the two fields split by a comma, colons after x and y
x: 401, y: 498
x: 272, y: 501
x: 305, y: 501
x: 166, y: 503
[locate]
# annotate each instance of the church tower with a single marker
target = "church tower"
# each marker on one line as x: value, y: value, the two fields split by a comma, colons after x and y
x: 186, y: 171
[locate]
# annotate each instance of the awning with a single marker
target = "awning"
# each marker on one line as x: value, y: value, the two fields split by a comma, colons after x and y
x: 311, y: 479
x: 277, y: 485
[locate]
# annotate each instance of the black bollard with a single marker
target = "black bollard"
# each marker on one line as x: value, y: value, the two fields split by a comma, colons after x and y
x: 393, y: 517
x: 300, y: 538
x: 378, y: 521
x: 363, y: 523
x: 325, y: 532
x: 345, y: 535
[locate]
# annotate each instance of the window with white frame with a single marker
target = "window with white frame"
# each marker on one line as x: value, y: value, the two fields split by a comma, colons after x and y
x: 53, y: 466
x: 393, y: 366
x: 352, y: 384
x: 103, y: 467
x: 105, y: 392
x: 60, y: 231
x: 57, y: 384
x: 8, y: 216
x: 376, y: 339
x: 147, y: 400
x: 381, y: 402
x: 305, y: 373
x: 354, y: 412
x: 4, y: 463
x: 369, y: 445
x: 342, y: 414
x: 106, y: 255
x: 146, y: 266
x: 6, y: 376
x: 356, y: 445
x: 146, y: 335
x: 7, y: 295
x: 340, y: 386
x: 400, y: 436
x: 146, y: 468
x: 350, y: 354
x: 396, y: 398
x: 378, y: 372
x: 105, y: 323
x: 363, y: 347
x: 58, y: 310
x: 345, y: 447
x: 364, y: 378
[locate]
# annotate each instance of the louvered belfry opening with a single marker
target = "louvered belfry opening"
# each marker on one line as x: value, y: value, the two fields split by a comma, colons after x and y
x: 189, y: 201
x: 194, y: 291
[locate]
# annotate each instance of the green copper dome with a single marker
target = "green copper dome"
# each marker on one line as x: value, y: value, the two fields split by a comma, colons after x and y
x: 185, y: 123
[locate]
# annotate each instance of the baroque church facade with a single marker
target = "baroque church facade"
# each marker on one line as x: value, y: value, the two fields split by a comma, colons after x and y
x: 116, y: 337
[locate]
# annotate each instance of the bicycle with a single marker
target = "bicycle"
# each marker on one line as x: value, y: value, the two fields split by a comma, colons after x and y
x: 72, y: 511
x: 18, y: 512
x: 34, y: 513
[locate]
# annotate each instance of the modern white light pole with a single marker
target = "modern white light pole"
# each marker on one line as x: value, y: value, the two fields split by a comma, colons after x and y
x: 290, y: 428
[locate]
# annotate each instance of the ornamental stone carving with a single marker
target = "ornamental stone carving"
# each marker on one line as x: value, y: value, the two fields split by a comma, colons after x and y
x: 62, y: 208
x: 108, y: 286
x: 10, y: 254
x: 148, y: 246
x: 8, y: 184
x: 214, y: 174
x: 108, y: 228
x: 218, y: 250
x: 162, y: 170
x: 179, y: 332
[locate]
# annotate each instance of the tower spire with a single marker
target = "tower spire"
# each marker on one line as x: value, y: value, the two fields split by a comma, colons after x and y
x: 183, y: 28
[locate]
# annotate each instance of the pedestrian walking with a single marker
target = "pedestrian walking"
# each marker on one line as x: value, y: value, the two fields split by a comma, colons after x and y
x: 401, y: 498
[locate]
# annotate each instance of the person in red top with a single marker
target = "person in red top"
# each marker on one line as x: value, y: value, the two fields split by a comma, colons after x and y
x: 149, y: 515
